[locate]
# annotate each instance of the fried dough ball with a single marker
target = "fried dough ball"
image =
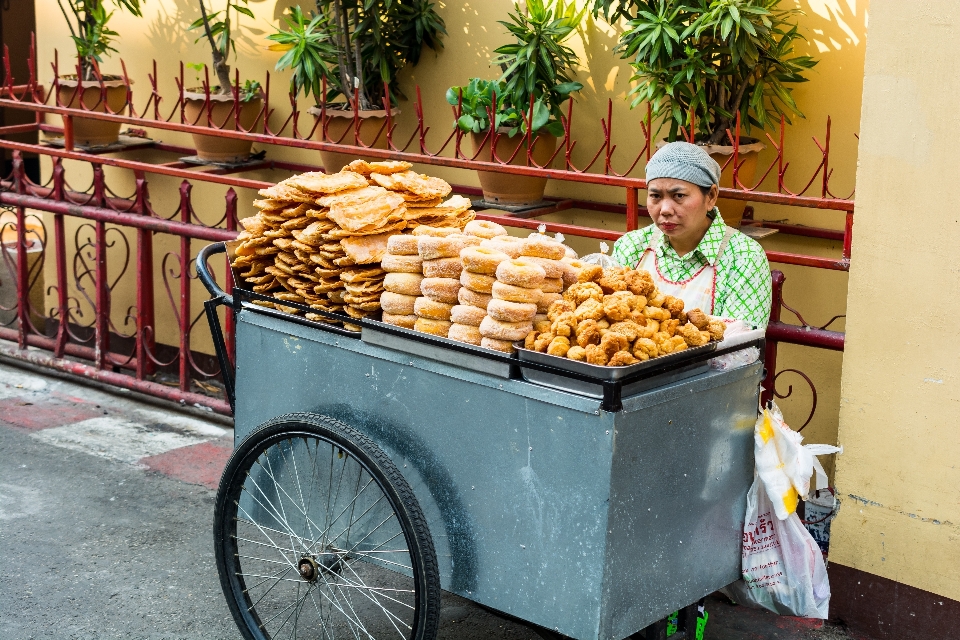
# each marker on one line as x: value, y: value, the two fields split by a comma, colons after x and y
x: 617, y: 306
x: 716, y: 329
x: 673, y: 305
x: 577, y: 353
x: 693, y: 336
x: 588, y: 333
x: 671, y: 345
x: 628, y: 328
x: 559, y: 346
x: 639, y: 282
x: 530, y: 340
x: 648, y: 327
x: 583, y: 291
x: 656, y: 299
x: 645, y: 348
x: 622, y: 359
x: 541, y: 325
x: 542, y: 341
x: 590, y: 273
x: 547, y: 299
x: 595, y: 355
x: 670, y: 327
x: 559, y: 307
x: 603, y: 323
x: 656, y: 313
x: 589, y: 309
x: 565, y: 325
x: 612, y: 342
x: 612, y: 280
x: 698, y: 319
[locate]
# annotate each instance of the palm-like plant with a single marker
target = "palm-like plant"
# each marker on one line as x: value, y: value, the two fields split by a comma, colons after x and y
x: 87, y: 21
x: 712, y: 59
x: 356, y: 46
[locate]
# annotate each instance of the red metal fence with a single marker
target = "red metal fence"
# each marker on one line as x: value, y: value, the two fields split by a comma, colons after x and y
x: 78, y: 334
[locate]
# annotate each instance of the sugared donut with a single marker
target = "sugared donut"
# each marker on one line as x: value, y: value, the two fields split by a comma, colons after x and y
x: 434, y: 327
x: 466, y: 314
x: 440, y: 232
x: 441, y: 289
x: 405, y: 321
x: 427, y: 308
x: 546, y: 300
x: 504, y: 291
x: 477, y: 282
x: 402, y: 245
x: 552, y: 285
x: 505, y: 346
x: 521, y: 273
x: 473, y: 298
x: 505, y: 244
x: 540, y: 246
x: 442, y: 268
x: 407, y: 284
x: 401, y: 264
x: 491, y: 328
x: 484, y: 229
x: 465, y: 333
x: 506, y: 311
x: 552, y: 268
x: 433, y: 247
x: 482, y: 259
x: 397, y: 304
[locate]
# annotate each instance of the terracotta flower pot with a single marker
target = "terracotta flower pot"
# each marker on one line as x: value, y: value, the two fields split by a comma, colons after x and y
x: 749, y: 152
x: 215, y: 149
x: 339, y: 126
x: 506, y: 188
x: 88, y: 132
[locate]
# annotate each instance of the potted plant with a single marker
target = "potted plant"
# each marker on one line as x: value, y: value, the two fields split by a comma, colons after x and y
x: 356, y: 50
x: 522, y: 107
x: 218, y: 105
x: 713, y: 60
x: 87, y: 21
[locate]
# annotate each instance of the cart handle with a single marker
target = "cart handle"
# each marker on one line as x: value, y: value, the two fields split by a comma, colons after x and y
x: 219, y: 296
x: 206, y: 276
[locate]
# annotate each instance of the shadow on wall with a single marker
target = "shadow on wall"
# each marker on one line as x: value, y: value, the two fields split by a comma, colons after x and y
x: 174, y: 16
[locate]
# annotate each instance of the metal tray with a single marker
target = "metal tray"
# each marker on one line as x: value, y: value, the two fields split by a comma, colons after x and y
x: 679, y: 372
x: 415, y: 346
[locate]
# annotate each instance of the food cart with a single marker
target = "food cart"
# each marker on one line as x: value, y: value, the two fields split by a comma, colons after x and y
x: 374, y: 469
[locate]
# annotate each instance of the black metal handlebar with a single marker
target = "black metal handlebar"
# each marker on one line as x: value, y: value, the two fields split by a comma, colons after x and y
x: 220, y: 297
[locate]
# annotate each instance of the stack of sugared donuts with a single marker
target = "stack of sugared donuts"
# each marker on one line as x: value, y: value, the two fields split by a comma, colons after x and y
x: 476, y: 281
x: 440, y: 287
x: 401, y: 285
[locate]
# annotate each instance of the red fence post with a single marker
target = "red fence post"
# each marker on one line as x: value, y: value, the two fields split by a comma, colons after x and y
x: 770, y: 355
x: 60, y: 251
x: 23, y: 280
x: 145, y: 301
x: 633, y: 209
x: 231, y: 219
x: 102, y: 304
x: 184, y: 359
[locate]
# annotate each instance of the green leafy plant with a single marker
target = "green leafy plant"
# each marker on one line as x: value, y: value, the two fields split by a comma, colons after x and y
x: 87, y: 21
x: 218, y: 28
x: 712, y: 58
x: 535, y: 80
x: 356, y: 46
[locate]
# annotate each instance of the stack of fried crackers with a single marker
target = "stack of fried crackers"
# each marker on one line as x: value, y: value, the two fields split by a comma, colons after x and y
x: 318, y: 238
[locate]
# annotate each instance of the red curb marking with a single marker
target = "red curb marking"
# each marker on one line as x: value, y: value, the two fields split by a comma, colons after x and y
x: 43, y: 414
x: 197, y: 464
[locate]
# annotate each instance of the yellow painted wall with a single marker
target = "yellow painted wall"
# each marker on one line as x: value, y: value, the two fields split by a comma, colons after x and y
x: 900, y: 415
x: 836, y: 30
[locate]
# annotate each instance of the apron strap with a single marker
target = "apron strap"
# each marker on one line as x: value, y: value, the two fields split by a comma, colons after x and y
x: 728, y: 234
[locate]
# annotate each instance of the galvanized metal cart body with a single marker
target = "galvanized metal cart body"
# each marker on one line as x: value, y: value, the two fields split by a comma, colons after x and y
x: 540, y: 503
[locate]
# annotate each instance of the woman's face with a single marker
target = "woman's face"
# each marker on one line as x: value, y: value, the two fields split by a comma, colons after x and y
x: 679, y: 209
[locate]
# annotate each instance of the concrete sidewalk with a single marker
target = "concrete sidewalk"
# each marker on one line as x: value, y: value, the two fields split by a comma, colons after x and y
x: 106, y: 508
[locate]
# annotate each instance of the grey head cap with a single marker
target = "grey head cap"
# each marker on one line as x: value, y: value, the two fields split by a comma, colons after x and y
x: 684, y: 161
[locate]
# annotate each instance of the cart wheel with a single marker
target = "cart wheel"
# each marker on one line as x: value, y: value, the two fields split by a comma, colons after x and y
x: 318, y: 535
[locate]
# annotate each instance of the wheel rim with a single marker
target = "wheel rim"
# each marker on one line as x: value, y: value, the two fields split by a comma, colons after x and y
x: 317, y: 546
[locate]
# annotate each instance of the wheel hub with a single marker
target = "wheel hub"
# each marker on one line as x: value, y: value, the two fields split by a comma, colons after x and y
x: 309, y: 569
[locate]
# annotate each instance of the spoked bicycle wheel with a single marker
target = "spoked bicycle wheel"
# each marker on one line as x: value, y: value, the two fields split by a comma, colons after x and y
x: 318, y: 535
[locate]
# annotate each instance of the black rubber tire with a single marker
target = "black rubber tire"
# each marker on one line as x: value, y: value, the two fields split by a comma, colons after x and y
x: 426, y: 576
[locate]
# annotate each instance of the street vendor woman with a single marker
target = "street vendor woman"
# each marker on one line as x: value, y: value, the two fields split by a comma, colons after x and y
x: 688, y: 250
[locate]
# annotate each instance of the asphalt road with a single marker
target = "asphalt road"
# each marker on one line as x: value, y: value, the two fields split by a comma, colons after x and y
x: 106, y: 508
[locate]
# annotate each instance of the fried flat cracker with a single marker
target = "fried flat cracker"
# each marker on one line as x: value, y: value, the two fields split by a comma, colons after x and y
x: 254, y: 224
x: 345, y: 261
x: 340, y: 234
x: 366, y: 249
x: 365, y: 214
x: 297, y: 245
x: 416, y: 183
x: 269, y: 250
x: 313, y: 232
x: 287, y: 192
x: 416, y: 202
x: 316, y: 182
x: 319, y: 214
x: 295, y: 211
x: 296, y: 223
x: 362, y: 274
x: 365, y: 168
x: 352, y: 197
x: 277, y: 233
x: 270, y: 204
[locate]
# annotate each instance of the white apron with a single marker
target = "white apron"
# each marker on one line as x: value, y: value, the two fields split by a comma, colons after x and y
x: 698, y: 291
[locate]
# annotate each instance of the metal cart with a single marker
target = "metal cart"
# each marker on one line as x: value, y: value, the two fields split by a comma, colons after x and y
x: 374, y: 469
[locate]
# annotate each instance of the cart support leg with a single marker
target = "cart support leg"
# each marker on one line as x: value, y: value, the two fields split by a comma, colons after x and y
x: 656, y: 631
x: 226, y: 369
x: 611, y: 396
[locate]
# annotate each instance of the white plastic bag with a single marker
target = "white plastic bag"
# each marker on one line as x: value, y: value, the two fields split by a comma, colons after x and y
x: 737, y: 332
x: 601, y: 258
x: 783, y: 569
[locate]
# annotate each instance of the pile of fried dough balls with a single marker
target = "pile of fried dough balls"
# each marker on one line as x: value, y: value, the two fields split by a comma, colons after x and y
x: 616, y: 317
